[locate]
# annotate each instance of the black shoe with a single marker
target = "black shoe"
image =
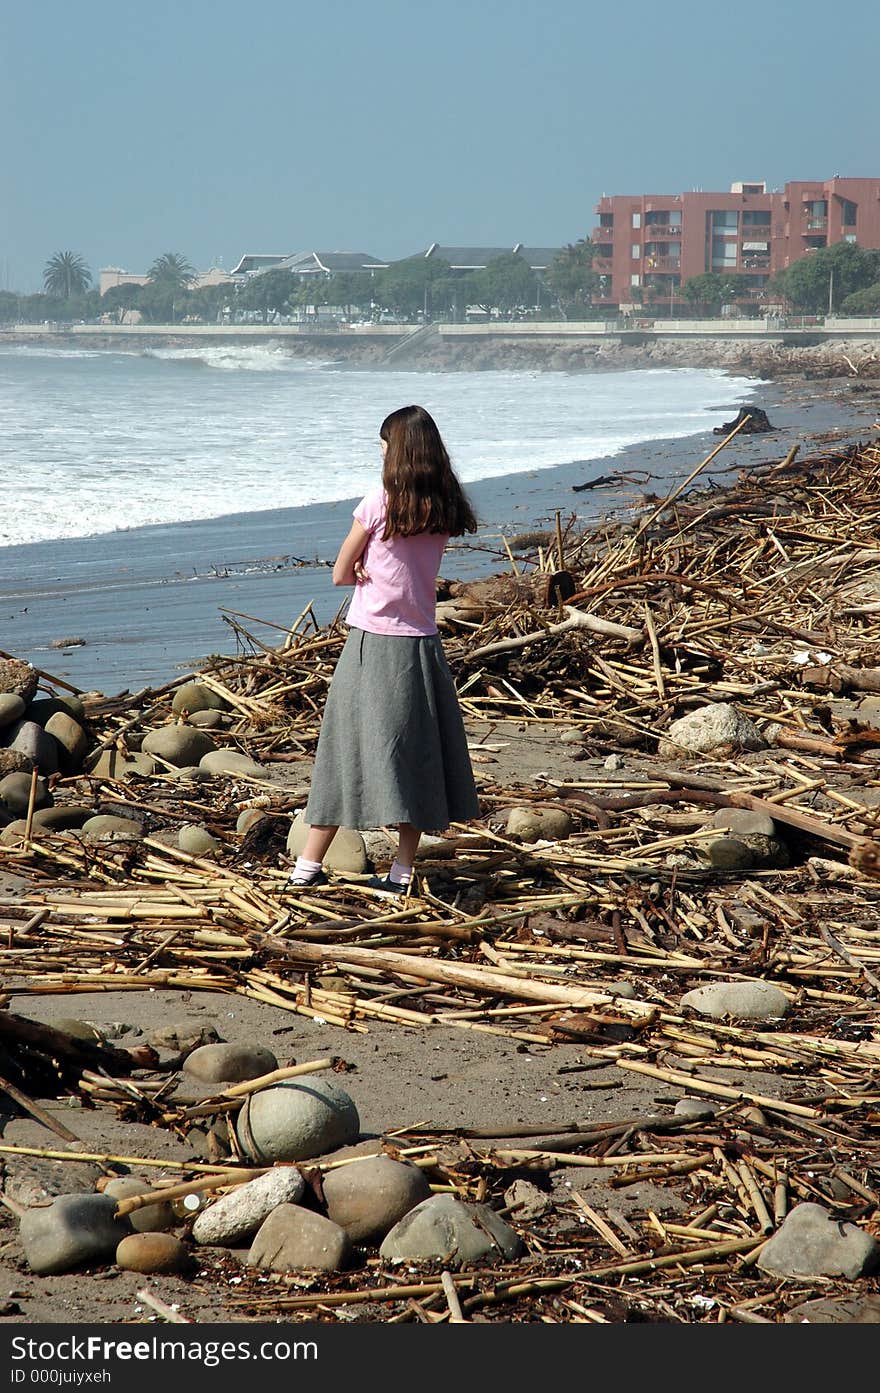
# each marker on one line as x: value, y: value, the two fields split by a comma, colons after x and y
x: 377, y: 882
x: 319, y: 878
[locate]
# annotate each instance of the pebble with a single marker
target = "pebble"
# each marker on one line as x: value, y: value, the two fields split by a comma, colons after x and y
x: 531, y: 824
x: 229, y: 1063
x: 40, y: 749
x: 745, y: 1001
x: 449, y: 1230
x: 207, y: 720
x: 526, y: 1201
x: 153, y: 1252
x: 297, y: 1240
x: 112, y: 764
x: 813, y: 1243
x: 727, y: 854
x: 183, y: 1038
x: 12, y: 708
x: 248, y: 818
x: 297, y: 1119
x: 744, y: 820
x: 15, y: 792
x: 697, y: 1108
x: 367, y: 1198
x: 72, y: 1230
x: 240, y: 1213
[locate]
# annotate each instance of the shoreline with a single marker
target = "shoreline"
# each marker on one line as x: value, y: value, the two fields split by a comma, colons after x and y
x: 150, y: 602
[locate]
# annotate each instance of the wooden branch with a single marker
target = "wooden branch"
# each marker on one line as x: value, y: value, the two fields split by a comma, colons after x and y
x: 577, y: 619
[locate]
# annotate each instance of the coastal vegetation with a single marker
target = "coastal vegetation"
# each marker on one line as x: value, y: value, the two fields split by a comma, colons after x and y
x: 66, y: 274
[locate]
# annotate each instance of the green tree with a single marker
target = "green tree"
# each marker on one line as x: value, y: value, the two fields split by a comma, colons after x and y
x: 827, y: 276
x: 269, y: 292
x: 406, y: 286
x: 865, y: 301
x: 507, y: 283
x: 119, y: 299
x: 66, y: 274
x: 711, y: 290
x: 572, y: 280
x: 350, y: 289
x: 172, y: 271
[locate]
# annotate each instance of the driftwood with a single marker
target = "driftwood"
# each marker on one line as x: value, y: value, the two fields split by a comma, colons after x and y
x: 42, y: 1050
x: 753, y: 420
x: 840, y: 677
x: 577, y: 619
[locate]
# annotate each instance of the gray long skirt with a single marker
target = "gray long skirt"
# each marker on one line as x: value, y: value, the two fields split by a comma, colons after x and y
x: 392, y: 746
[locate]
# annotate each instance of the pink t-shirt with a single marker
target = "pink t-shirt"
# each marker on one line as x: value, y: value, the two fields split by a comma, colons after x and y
x: 400, y: 596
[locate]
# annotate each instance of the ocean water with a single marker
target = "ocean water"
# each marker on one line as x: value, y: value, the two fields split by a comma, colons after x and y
x: 98, y: 442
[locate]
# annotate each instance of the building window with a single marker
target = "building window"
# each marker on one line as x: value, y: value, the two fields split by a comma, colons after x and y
x: 848, y: 213
x: 636, y: 251
x: 756, y: 217
x: 606, y: 219
x: 635, y: 278
x: 849, y: 237
x: 636, y: 219
x: 725, y: 218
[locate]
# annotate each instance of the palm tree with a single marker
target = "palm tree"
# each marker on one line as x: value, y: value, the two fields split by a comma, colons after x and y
x: 66, y: 274
x: 172, y: 271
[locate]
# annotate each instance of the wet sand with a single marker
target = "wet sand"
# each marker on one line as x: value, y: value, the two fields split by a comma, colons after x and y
x: 151, y: 603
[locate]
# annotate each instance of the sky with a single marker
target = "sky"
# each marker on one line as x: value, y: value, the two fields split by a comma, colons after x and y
x: 213, y: 129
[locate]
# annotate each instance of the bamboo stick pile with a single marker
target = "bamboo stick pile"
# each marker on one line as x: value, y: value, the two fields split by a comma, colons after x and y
x: 766, y: 596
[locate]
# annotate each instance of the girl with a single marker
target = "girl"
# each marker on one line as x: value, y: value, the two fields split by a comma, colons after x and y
x: 392, y: 747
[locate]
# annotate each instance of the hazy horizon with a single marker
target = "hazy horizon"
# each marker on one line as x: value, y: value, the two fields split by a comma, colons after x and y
x: 212, y: 133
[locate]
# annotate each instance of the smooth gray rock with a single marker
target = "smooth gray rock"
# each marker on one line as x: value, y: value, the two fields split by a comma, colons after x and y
x: 532, y: 824
x: 699, y: 1109
x: 73, y: 742
x: 183, y: 1038
x: 830, y: 1310
x: 62, y: 819
x: 745, y: 1001
x: 95, y: 829
x: 152, y: 1218
x: 718, y: 726
x: 812, y: 1243
x: 727, y: 854
x: 197, y: 841
x: 42, y: 708
x: 111, y: 764
x: 195, y: 696
x: 347, y: 851
x: 72, y: 1230
x: 297, y: 1119
x: 298, y: 1240
x: 12, y: 708
x: 240, y: 1213
x: 15, y: 792
x: 229, y: 1063
x: 207, y: 720
x: 153, y: 1252
x: 231, y: 762
x: 744, y: 820
x: 367, y: 1198
x: 449, y: 1230
x: 248, y: 818
x: 41, y: 749
x: 181, y: 745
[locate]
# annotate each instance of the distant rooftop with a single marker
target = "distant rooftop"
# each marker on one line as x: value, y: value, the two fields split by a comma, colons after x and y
x: 333, y: 263
x: 477, y: 258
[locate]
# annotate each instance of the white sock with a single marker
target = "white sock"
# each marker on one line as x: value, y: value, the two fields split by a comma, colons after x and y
x: 401, y: 875
x: 304, y: 870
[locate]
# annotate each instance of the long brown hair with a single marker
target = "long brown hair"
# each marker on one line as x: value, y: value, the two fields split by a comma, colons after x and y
x: 420, y: 484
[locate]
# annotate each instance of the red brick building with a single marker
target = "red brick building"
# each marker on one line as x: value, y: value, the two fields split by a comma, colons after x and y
x: 649, y: 245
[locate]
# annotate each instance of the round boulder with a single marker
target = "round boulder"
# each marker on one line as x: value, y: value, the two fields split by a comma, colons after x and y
x: 15, y: 793
x: 229, y: 1063
x: 196, y: 840
x: 150, y: 1218
x: 12, y: 708
x: 745, y: 1001
x: 73, y: 742
x: 195, y: 696
x: 347, y: 851
x: 231, y: 762
x: 296, y: 1119
x: 152, y: 1252
x: 180, y: 745
x: 104, y: 825
x: 367, y: 1198
x: 449, y: 1230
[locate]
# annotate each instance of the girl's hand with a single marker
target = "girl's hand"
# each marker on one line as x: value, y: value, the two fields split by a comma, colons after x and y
x: 360, y: 574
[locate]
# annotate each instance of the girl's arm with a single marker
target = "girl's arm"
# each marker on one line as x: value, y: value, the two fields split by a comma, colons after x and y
x: 347, y: 569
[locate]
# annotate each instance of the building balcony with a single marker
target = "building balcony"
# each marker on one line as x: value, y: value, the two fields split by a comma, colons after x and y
x: 817, y: 225
x: 664, y: 263
x: 662, y: 229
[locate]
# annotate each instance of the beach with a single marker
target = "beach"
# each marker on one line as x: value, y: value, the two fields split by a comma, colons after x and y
x: 149, y: 602
x: 136, y: 937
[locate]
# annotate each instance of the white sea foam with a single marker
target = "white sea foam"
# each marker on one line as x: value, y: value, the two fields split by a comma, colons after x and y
x: 101, y: 441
